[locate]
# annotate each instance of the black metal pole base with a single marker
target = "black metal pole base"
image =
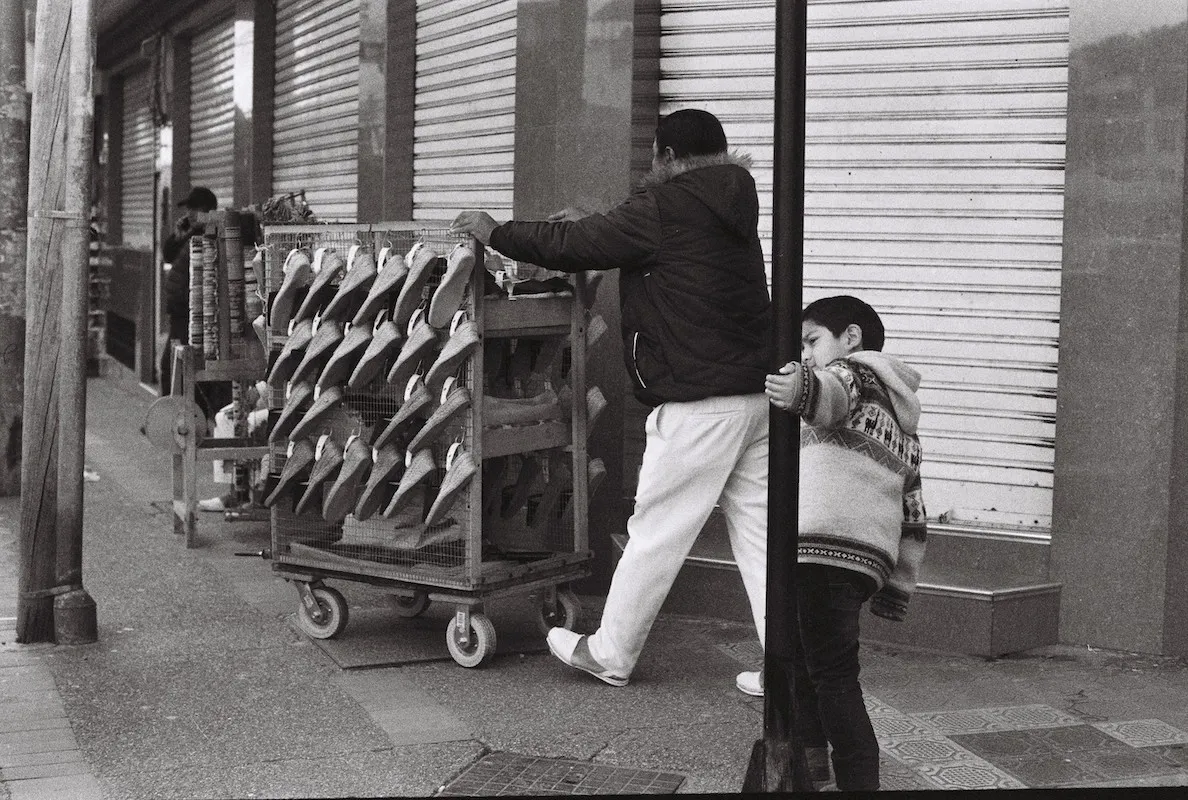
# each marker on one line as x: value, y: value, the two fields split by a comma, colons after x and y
x: 777, y: 765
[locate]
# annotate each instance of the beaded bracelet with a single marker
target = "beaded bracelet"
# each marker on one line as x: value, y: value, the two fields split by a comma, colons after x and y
x: 805, y: 376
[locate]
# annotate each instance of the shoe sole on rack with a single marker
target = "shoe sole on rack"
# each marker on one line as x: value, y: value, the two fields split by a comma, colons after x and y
x: 456, y: 479
x: 420, y: 467
x: 449, y: 294
x: 385, y: 339
x: 322, y: 286
x: 343, y: 494
x: 325, y: 468
x: 378, y: 490
x: 360, y: 273
x: 420, y: 267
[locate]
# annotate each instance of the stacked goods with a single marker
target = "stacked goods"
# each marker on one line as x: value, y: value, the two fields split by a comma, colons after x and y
x: 232, y: 250
x: 196, y: 280
x: 210, y: 284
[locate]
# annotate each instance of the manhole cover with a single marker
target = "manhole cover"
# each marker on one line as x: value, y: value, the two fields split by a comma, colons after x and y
x: 511, y: 774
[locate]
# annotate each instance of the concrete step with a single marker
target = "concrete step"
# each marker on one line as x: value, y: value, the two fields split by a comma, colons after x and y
x: 979, y: 593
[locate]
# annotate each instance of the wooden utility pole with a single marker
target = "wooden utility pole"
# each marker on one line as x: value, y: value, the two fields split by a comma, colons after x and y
x: 61, y: 127
x: 74, y: 611
x: 14, y: 195
x: 778, y: 760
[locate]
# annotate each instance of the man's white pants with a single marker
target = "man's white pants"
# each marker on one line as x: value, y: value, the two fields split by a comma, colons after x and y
x: 698, y: 454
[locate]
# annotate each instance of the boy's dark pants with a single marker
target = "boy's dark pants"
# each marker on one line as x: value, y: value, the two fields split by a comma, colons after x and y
x: 829, y: 705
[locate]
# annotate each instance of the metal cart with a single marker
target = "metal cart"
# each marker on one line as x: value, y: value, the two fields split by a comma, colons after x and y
x: 519, y: 526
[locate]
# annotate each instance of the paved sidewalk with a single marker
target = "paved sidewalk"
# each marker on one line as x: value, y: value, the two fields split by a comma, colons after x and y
x: 201, y: 687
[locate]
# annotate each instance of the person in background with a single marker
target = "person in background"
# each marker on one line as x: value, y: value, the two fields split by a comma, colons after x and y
x: 199, y: 206
x: 212, y: 397
x: 862, y: 530
x: 696, y: 314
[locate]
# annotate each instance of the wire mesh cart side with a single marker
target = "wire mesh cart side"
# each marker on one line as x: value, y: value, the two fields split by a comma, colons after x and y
x: 382, y: 448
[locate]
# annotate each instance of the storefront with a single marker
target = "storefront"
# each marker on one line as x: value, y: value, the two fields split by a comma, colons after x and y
x: 940, y: 148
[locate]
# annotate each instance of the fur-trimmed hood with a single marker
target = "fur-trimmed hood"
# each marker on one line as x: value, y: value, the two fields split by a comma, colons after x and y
x: 666, y: 172
x: 722, y: 182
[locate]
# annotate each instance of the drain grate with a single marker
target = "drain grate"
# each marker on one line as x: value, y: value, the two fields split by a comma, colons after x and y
x: 511, y: 774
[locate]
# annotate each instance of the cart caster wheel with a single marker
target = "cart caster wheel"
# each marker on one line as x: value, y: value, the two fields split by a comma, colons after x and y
x: 334, y: 610
x: 481, y: 645
x: 409, y: 606
x: 566, y: 615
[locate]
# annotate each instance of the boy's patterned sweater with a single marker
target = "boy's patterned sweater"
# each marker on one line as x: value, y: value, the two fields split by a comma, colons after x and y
x: 861, y: 505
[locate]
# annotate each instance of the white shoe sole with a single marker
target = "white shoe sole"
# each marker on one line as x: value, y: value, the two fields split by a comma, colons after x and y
x: 605, y: 677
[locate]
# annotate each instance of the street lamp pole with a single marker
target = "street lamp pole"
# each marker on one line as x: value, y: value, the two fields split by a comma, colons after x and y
x: 778, y: 760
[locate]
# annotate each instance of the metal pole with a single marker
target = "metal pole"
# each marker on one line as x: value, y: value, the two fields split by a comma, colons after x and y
x: 74, y: 612
x: 778, y: 761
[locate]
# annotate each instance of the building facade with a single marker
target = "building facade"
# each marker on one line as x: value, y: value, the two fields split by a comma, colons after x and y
x: 1002, y: 179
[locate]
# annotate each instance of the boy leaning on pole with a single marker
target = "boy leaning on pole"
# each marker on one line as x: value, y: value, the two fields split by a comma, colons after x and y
x: 861, y: 522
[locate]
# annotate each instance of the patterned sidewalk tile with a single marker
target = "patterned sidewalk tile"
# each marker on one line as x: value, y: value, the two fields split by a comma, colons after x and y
x: 1006, y: 718
x: 1144, y: 732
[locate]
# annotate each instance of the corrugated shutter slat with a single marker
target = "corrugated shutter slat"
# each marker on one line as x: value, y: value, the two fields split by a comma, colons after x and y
x: 137, y: 164
x: 212, y: 111
x: 464, y: 138
x: 316, y: 127
x: 934, y: 190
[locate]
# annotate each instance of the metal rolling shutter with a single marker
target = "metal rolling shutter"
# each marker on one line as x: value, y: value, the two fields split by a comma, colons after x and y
x: 465, y: 114
x: 137, y: 164
x: 934, y: 190
x: 212, y: 112
x: 316, y: 128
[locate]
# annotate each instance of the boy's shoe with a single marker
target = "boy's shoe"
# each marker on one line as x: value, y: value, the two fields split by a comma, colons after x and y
x: 572, y: 649
x: 750, y: 683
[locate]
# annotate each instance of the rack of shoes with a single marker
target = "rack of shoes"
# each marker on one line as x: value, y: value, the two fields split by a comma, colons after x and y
x: 222, y: 346
x: 395, y: 394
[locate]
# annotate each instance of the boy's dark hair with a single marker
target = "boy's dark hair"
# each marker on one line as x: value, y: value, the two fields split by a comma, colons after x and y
x: 691, y: 132
x: 841, y: 311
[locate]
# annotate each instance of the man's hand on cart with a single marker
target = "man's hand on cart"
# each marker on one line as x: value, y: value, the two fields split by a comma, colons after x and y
x: 478, y: 224
x: 568, y: 214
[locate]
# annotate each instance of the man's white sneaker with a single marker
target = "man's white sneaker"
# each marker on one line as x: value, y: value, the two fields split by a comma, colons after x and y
x: 750, y: 683
x: 572, y: 649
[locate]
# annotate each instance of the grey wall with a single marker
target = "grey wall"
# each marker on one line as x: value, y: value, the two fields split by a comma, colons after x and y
x: 1119, y: 529
x: 573, y: 147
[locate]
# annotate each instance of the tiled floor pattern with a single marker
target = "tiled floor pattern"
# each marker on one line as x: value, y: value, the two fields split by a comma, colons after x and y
x: 511, y: 774
x: 1014, y: 747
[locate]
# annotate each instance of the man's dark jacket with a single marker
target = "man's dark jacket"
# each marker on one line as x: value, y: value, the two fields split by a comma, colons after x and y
x: 693, y: 290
